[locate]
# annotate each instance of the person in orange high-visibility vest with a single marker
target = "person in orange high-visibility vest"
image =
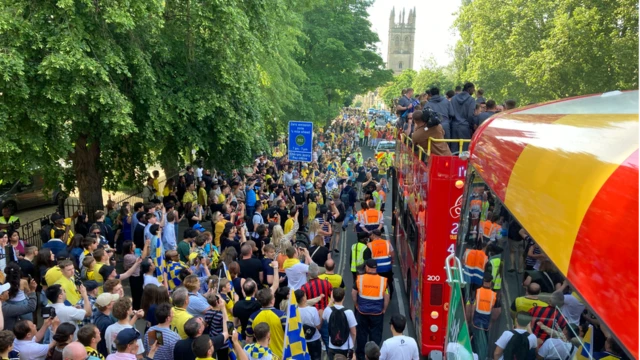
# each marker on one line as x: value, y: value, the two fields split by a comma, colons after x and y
x: 373, y: 219
x: 371, y: 298
x: 360, y: 216
x: 382, y: 253
x: 475, y: 262
x: 491, y: 228
x: 484, y: 302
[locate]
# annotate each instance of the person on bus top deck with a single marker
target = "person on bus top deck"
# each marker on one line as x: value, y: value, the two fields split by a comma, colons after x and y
x: 428, y: 126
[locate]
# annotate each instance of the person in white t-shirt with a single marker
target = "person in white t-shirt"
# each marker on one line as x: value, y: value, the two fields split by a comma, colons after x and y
x: 337, y: 297
x: 398, y: 346
x: 559, y: 349
x: 522, y: 325
x: 295, y: 270
x: 309, y: 316
x: 56, y: 294
x: 148, y: 269
x: 123, y: 311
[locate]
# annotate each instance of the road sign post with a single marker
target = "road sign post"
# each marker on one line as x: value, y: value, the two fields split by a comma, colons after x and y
x: 300, y: 141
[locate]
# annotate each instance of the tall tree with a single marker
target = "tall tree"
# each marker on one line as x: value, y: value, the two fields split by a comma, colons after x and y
x: 547, y: 49
x: 393, y: 89
x: 78, y: 87
x: 338, y: 57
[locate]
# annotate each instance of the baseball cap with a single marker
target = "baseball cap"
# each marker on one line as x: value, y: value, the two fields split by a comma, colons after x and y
x: 105, y: 299
x: 105, y: 271
x: 91, y: 285
x: 377, y: 232
x: 372, y: 264
x: 193, y: 255
x: 127, y: 336
x: 4, y: 287
x: 198, y: 227
x: 56, y: 217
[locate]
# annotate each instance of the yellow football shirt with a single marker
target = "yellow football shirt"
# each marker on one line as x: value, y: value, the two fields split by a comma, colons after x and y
x: 180, y: 317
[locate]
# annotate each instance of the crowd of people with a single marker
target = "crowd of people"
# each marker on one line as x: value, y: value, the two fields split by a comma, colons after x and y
x: 207, y: 264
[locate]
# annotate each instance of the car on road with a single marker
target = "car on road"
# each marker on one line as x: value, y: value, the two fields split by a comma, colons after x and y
x: 385, y: 145
x: 20, y: 195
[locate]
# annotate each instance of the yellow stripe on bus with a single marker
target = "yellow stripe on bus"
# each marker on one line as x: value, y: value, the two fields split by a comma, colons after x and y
x: 550, y: 189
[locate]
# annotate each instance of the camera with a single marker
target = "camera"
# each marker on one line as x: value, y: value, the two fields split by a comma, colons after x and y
x: 48, y: 312
x: 78, y: 282
x: 230, y: 327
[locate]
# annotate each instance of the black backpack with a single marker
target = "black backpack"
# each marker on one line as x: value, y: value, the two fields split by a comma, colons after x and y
x: 345, y: 198
x: 518, y: 347
x: 342, y: 212
x: 338, y: 326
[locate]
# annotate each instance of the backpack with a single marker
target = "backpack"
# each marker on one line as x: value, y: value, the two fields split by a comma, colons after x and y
x: 342, y: 212
x: 338, y: 327
x: 45, y: 233
x: 518, y: 347
x: 344, y: 197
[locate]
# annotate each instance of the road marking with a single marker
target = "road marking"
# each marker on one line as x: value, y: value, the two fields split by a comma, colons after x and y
x: 396, y: 285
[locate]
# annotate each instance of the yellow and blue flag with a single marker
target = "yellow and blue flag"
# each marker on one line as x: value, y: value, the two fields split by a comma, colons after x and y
x: 585, y: 352
x: 226, y: 274
x: 157, y: 256
x: 173, y: 269
x: 295, y: 345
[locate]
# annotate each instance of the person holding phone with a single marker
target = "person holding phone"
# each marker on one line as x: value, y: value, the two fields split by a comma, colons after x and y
x: 164, y: 315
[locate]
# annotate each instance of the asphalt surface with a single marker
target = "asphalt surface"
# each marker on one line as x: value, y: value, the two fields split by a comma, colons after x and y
x: 399, y: 303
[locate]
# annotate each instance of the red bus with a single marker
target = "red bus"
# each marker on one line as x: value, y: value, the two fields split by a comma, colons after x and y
x: 567, y: 173
x: 427, y: 201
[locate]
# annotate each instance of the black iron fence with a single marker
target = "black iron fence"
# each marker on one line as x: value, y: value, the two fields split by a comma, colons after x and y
x: 33, y: 231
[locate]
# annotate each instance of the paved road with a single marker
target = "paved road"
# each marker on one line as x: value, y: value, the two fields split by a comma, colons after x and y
x: 399, y: 302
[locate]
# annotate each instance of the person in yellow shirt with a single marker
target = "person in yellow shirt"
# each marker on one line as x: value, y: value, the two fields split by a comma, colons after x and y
x: 102, y: 258
x: 227, y: 295
x: 190, y: 195
x: 312, y: 208
x: 202, y: 195
x: 219, y: 222
x: 66, y: 281
x: 156, y: 182
x: 168, y: 187
x: 288, y: 225
x: 180, y: 299
x: 335, y: 280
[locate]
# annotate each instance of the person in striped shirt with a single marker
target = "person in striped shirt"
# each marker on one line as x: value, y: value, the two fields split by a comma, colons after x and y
x: 547, y: 315
x: 164, y: 315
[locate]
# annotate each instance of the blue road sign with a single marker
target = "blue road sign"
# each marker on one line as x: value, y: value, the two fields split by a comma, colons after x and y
x: 300, y: 141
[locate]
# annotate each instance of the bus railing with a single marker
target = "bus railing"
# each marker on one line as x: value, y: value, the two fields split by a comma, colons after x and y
x: 422, y: 154
x: 459, y: 141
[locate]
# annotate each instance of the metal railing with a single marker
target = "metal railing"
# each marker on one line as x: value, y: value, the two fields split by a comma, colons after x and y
x: 31, y: 231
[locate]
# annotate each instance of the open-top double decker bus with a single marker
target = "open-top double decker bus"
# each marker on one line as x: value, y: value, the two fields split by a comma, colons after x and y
x: 567, y: 173
x: 427, y: 200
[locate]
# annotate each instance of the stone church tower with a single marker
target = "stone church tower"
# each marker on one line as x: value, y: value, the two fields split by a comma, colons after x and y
x: 401, y: 41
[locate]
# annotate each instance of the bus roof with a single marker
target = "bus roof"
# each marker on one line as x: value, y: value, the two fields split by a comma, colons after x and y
x: 568, y: 171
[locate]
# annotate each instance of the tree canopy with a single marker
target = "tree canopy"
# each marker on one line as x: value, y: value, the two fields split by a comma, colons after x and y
x: 107, y: 88
x: 547, y: 49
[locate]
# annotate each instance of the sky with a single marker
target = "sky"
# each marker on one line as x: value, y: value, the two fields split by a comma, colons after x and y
x: 430, y: 14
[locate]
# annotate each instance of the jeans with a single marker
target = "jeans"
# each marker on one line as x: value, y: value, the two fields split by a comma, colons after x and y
x: 315, y: 349
x: 369, y: 328
x: 24, y: 303
x: 324, y: 333
x: 347, y: 218
x: 250, y: 211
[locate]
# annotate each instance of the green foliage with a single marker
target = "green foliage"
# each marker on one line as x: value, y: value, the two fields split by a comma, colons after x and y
x: 393, y: 89
x: 338, y: 58
x: 433, y: 75
x: 547, y: 49
x: 107, y: 88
